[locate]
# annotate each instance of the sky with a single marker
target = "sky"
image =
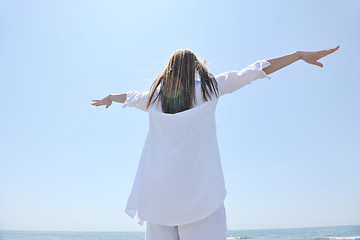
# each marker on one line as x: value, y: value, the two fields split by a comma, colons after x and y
x: 289, y: 145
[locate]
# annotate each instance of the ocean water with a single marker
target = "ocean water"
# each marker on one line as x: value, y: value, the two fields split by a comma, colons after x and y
x: 321, y: 233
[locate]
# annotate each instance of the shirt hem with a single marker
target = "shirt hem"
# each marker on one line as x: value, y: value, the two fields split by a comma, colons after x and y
x: 140, y: 220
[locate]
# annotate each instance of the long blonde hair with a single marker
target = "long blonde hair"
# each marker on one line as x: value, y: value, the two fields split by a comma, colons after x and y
x: 177, y: 83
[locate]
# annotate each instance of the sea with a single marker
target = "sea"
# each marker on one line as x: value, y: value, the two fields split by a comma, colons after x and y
x: 318, y: 233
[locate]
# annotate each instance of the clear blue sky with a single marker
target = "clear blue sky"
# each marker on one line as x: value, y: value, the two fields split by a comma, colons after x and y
x: 290, y: 145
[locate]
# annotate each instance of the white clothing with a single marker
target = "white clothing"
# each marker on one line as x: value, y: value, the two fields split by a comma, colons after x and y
x: 211, y: 228
x: 179, y: 178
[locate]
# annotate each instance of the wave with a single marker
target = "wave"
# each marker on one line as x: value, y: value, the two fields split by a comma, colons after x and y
x: 343, y: 238
x: 230, y: 238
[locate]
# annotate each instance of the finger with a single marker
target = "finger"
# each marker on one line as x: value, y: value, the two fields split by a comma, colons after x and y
x: 95, y: 100
x: 318, y: 64
x: 331, y: 50
x: 326, y: 52
x: 336, y: 48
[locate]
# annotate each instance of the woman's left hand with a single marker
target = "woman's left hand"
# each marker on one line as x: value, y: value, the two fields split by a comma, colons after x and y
x: 312, y: 57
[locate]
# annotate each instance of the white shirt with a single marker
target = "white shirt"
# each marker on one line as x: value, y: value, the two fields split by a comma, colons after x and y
x: 179, y: 178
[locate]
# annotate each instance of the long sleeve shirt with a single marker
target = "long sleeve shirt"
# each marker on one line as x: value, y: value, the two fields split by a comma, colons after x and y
x: 179, y: 178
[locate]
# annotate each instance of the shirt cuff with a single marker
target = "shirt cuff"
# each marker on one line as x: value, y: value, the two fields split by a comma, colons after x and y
x: 259, y: 65
x: 128, y: 100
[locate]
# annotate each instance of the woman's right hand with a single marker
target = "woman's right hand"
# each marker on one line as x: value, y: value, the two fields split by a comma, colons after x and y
x: 105, y: 101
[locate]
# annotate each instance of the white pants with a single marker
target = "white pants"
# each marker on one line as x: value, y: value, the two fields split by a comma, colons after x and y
x: 210, y: 228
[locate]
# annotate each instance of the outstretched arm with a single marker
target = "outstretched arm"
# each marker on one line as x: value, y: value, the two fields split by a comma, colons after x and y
x: 121, y: 98
x: 311, y: 57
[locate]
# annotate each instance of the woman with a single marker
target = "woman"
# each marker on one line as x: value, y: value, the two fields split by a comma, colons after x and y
x: 179, y: 186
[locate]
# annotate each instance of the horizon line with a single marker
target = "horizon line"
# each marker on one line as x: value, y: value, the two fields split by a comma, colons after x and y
x: 249, y: 229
